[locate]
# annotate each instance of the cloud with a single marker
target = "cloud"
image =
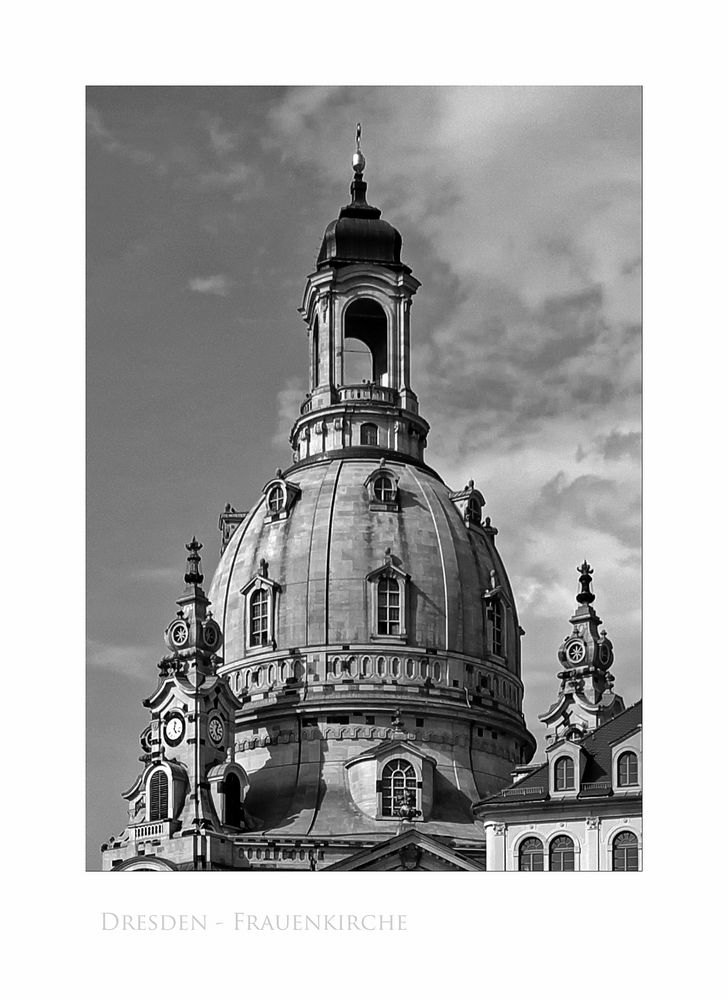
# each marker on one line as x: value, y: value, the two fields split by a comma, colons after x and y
x: 593, y: 502
x: 131, y: 660
x: 290, y: 398
x: 117, y: 147
x: 222, y: 141
x: 216, y: 284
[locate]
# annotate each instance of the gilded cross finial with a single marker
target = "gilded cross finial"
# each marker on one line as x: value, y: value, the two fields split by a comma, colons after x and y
x: 358, y: 161
x: 193, y: 574
x: 585, y: 595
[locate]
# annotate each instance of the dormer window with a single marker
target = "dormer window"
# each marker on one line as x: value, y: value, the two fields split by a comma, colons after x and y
x: 473, y: 511
x: 388, y: 600
x: 564, y: 775
x: 259, y: 618
x: 276, y: 499
x: 259, y: 606
x: 627, y: 770
x: 495, y: 619
x: 369, y: 434
x: 399, y: 780
x: 280, y: 497
x: 384, y: 489
x: 388, y: 607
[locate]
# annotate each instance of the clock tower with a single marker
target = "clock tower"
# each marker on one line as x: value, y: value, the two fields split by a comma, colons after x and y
x: 586, y: 699
x: 187, y: 805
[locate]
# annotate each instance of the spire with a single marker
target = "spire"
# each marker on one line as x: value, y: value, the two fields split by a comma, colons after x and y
x: 358, y: 161
x: 359, y: 205
x: 193, y: 576
x: 585, y: 595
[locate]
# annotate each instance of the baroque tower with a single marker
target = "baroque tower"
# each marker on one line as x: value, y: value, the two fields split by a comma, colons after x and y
x: 586, y: 699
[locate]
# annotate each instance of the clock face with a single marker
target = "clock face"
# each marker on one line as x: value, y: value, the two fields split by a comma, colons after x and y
x: 174, y: 729
x: 216, y: 730
x: 178, y: 633
x: 575, y: 652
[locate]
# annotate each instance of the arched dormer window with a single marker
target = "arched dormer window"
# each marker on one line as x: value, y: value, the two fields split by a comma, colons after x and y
x: 388, y: 601
x: 276, y: 499
x: 625, y: 853
x: 561, y: 855
x: 280, y: 497
x: 383, y: 488
x: 627, y: 770
x: 398, y: 779
x: 369, y: 435
x: 530, y: 855
x: 159, y: 796
x: 564, y: 775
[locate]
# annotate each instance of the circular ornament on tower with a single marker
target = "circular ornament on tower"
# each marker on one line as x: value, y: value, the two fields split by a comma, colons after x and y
x: 576, y: 651
x: 178, y: 634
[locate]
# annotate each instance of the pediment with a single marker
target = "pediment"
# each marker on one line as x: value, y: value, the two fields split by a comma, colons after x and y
x: 408, y: 851
x: 389, y: 748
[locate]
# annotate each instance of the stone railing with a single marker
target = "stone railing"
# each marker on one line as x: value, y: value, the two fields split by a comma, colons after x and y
x: 534, y: 792
x: 159, y: 828
x: 368, y: 392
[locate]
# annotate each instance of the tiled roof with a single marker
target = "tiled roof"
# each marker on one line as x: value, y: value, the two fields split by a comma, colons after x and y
x: 597, y: 777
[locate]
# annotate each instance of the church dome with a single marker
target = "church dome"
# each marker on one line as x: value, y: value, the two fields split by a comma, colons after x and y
x: 335, y: 534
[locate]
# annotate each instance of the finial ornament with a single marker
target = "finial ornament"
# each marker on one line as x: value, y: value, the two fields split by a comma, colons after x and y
x: 585, y: 596
x: 193, y: 574
x: 358, y: 161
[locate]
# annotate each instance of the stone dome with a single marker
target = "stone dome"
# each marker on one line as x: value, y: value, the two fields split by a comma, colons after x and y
x: 334, y: 535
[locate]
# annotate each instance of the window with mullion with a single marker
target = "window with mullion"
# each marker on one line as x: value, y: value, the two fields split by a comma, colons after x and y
x: 625, y: 857
x: 259, y: 618
x: 530, y: 855
x: 561, y: 855
x: 564, y: 774
x: 627, y: 769
x: 388, y: 606
x: 398, y: 777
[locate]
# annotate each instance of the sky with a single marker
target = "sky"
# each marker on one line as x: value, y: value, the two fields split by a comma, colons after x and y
x: 520, y: 212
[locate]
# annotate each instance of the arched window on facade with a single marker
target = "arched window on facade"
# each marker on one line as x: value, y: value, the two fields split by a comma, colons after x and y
x: 561, y: 855
x: 384, y: 489
x: 259, y: 626
x: 627, y: 770
x: 159, y: 796
x: 530, y: 855
x: 388, y: 606
x: 497, y: 632
x: 564, y: 774
x: 398, y: 777
x: 369, y: 434
x: 625, y: 857
x: 233, y: 810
